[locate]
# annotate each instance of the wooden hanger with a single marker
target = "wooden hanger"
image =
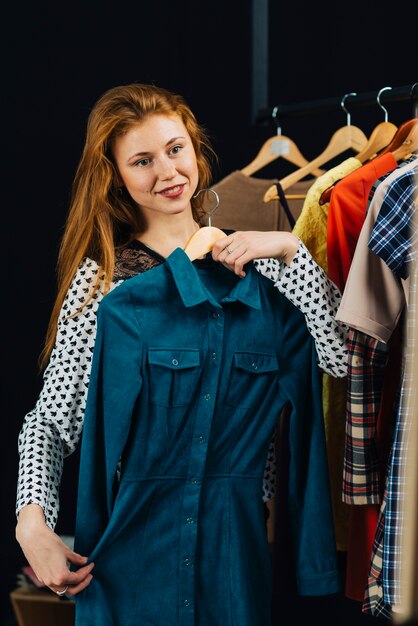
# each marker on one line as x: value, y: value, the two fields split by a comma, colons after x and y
x: 405, y: 133
x: 409, y: 144
x: 381, y: 136
x: 203, y: 239
x: 277, y: 146
x: 403, y: 144
x: 345, y: 138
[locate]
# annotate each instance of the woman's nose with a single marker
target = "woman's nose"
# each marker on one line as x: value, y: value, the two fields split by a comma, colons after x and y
x: 166, y: 169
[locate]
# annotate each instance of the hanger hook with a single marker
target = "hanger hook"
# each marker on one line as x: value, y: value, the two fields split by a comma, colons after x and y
x: 274, y: 116
x: 411, y: 93
x: 212, y: 211
x: 353, y: 93
x: 380, y: 104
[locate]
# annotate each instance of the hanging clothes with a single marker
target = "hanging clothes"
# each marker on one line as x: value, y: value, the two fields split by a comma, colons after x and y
x: 346, y: 214
x: 241, y: 204
x: 373, y: 297
x: 373, y: 301
x: 394, y: 240
x: 203, y: 379
x: 384, y: 589
x: 311, y: 227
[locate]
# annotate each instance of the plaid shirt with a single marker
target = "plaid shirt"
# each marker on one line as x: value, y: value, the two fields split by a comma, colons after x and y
x: 367, y: 359
x: 398, y: 248
x: 384, y: 583
x: 382, y: 178
x: 392, y: 237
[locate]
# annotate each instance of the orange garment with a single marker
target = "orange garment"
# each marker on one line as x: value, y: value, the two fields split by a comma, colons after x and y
x: 346, y: 215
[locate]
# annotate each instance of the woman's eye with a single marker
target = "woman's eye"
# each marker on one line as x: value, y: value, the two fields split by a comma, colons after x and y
x: 176, y: 149
x: 142, y: 163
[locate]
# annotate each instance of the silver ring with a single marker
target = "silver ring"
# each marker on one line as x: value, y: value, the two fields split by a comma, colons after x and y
x: 63, y: 592
x: 229, y: 251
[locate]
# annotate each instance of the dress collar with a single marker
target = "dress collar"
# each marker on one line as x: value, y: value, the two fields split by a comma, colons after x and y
x: 193, y: 292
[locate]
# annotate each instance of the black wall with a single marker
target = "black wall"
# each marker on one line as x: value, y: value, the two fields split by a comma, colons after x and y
x: 59, y: 57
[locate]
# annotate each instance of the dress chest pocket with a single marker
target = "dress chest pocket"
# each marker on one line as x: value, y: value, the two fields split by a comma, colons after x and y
x: 172, y: 376
x: 252, y: 375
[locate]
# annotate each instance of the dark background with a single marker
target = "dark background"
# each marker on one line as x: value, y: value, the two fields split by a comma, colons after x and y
x: 59, y: 57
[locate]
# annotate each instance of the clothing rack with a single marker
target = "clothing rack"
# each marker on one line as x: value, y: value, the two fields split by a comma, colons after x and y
x: 395, y: 94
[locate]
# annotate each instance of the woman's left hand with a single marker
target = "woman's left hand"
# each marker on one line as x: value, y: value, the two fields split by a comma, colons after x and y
x: 241, y: 247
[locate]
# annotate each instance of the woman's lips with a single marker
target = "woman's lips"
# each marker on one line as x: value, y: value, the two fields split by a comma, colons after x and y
x: 172, y: 192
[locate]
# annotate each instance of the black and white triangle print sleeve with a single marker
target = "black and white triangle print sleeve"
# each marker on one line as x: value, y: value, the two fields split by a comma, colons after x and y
x: 51, y: 431
x: 308, y: 287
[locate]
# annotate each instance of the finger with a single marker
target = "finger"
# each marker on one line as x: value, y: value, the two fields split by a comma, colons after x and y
x: 222, y: 256
x: 236, y: 267
x: 220, y: 245
x: 231, y: 253
x: 235, y: 253
x: 75, y: 578
x: 242, y: 258
x: 69, y: 578
x: 228, y: 267
x: 75, y: 558
x: 245, y: 258
x: 73, y: 590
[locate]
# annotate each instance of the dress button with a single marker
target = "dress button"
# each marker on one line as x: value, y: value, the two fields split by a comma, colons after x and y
x: 213, y: 356
x: 174, y: 362
x: 189, y: 520
x: 186, y: 560
x: 186, y: 603
x: 193, y: 480
x: 207, y: 396
x: 201, y: 439
x: 215, y: 315
x: 254, y: 366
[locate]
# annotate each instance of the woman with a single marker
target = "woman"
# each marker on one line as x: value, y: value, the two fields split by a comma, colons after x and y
x: 135, y: 203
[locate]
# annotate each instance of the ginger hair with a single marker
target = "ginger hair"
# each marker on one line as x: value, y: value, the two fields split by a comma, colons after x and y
x: 102, y: 215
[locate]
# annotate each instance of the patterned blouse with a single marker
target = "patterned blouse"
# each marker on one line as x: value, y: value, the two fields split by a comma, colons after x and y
x: 52, y: 429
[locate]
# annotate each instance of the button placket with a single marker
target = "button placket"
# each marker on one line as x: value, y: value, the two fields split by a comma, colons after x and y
x: 196, y: 468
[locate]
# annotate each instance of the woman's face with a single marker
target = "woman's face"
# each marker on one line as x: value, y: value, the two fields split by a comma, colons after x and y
x: 157, y: 164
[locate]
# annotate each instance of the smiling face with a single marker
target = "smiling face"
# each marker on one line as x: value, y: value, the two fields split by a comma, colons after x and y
x: 157, y: 164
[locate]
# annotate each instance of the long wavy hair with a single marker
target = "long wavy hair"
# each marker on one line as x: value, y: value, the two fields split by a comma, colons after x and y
x: 101, y: 215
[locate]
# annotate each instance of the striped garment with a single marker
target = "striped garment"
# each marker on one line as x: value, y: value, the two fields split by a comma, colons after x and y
x: 384, y: 582
x: 367, y: 359
x: 376, y: 184
x: 394, y: 239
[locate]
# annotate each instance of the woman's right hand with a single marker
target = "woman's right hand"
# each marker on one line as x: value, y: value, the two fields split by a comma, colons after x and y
x: 48, y: 555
